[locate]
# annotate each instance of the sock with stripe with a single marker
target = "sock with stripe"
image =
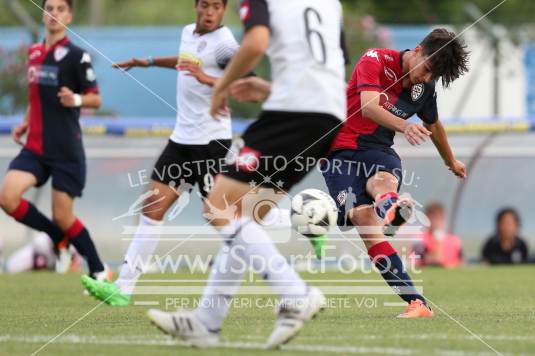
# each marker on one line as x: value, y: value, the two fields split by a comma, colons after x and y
x: 26, y: 213
x: 387, y: 261
x: 80, y: 239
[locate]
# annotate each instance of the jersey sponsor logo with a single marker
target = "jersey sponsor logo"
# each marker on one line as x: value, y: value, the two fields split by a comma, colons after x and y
x: 43, y: 75
x: 390, y: 74
x: 86, y: 58
x: 372, y: 54
x: 395, y: 110
x: 60, y: 53
x: 417, y: 92
x: 184, y: 56
x: 245, y: 10
x: 388, y: 57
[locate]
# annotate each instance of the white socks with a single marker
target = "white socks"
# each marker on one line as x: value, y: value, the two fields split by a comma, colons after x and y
x: 141, y: 248
x: 246, y: 246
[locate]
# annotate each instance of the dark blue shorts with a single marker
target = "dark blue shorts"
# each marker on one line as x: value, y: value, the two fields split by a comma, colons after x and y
x: 346, y: 173
x: 67, y: 176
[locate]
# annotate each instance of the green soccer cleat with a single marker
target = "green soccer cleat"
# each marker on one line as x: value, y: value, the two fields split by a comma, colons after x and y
x: 318, y: 243
x: 107, y: 292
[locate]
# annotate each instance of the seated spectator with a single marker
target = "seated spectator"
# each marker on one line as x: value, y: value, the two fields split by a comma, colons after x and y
x: 505, y: 246
x: 437, y: 247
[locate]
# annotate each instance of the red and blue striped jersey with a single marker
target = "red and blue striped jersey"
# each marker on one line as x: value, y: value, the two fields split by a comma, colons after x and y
x: 54, y: 130
x: 380, y: 70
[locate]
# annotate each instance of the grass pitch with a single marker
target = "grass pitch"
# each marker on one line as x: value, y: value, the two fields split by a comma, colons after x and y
x: 478, y: 311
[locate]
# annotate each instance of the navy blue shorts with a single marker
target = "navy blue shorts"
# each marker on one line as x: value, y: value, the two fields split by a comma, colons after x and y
x: 67, y: 176
x: 346, y: 173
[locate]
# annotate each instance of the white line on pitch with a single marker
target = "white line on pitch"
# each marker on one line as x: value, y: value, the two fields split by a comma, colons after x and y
x: 146, y: 302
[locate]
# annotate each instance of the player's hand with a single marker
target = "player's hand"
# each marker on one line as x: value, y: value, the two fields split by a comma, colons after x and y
x: 66, y: 97
x: 219, y: 106
x: 250, y: 89
x: 416, y: 134
x: 18, y: 132
x: 134, y: 62
x: 458, y: 168
x: 194, y: 70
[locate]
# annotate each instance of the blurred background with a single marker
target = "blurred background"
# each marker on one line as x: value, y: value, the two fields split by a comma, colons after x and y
x: 489, y: 113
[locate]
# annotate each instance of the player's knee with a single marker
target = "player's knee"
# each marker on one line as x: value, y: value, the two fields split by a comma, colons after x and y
x: 153, y: 208
x: 9, y: 200
x: 381, y: 182
x: 62, y: 218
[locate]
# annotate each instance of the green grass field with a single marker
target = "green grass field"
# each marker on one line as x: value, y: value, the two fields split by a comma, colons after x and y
x: 496, y: 304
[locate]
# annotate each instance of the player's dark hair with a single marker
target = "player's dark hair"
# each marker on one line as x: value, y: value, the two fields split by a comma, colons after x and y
x: 69, y: 2
x: 448, y: 55
x: 508, y: 210
x: 224, y: 2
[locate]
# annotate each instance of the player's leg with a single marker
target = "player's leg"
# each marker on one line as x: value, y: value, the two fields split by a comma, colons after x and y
x: 272, y: 136
x: 162, y: 194
x: 75, y: 231
x: 388, y: 262
x: 160, y: 198
x: 382, y: 254
x: 147, y: 235
x: 246, y: 244
x: 26, y: 171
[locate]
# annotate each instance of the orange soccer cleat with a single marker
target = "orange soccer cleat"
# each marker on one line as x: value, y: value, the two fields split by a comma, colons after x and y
x: 417, y: 309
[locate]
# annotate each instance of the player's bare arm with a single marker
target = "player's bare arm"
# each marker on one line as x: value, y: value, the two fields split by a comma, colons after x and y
x: 69, y: 99
x: 416, y: 134
x: 253, y: 47
x: 440, y: 140
x: 20, y: 130
x: 162, y: 62
x: 250, y: 89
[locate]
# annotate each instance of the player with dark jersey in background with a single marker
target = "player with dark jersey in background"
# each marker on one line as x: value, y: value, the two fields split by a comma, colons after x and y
x: 61, y: 81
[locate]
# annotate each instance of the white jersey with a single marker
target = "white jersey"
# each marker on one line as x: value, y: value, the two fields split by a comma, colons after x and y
x: 212, y: 51
x: 307, y: 60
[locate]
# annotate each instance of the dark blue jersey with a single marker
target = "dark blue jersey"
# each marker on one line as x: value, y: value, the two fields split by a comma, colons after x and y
x: 54, y: 130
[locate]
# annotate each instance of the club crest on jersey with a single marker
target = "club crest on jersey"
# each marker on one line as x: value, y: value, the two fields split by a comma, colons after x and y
x: 341, y: 197
x: 60, y: 53
x: 417, y: 92
x: 245, y: 10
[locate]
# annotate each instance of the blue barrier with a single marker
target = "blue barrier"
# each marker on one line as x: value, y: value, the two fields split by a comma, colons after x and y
x: 164, y: 127
x: 122, y: 126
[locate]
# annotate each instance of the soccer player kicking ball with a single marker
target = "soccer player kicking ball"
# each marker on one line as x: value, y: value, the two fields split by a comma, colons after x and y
x: 299, y: 120
x: 387, y: 87
x: 61, y: 80
x: 197, y: 146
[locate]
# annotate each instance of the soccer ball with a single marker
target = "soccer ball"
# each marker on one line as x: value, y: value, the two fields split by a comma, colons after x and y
x: 313, y: 212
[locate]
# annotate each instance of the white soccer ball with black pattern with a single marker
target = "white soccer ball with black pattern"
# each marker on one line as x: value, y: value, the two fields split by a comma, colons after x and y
x: 313, y: 212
